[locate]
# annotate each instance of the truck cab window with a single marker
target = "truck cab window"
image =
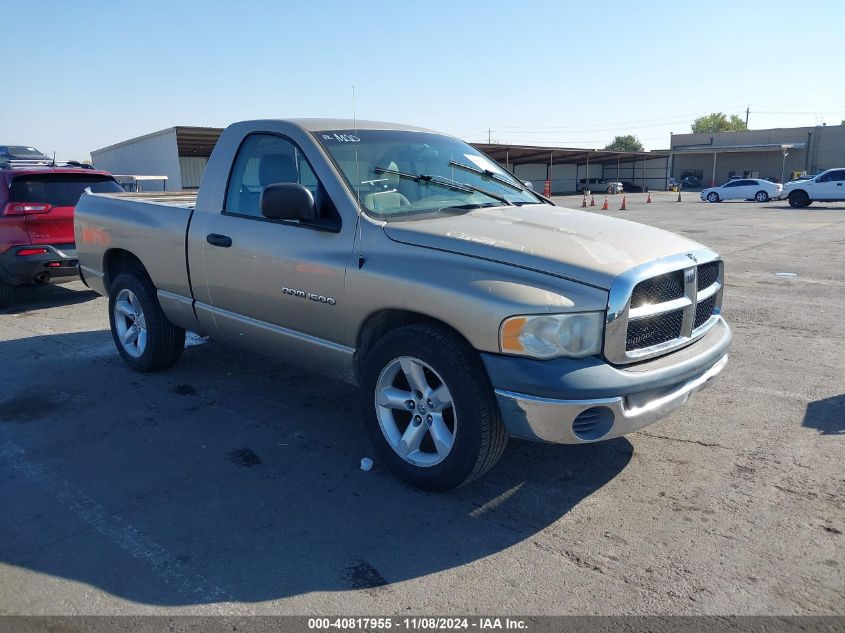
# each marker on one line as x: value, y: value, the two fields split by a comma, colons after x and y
x: 265, y: 159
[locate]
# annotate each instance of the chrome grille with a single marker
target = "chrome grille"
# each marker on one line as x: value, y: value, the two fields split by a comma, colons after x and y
x: 654, y: 330
x: 658, y: 289
x: 704, y: 311
x: 662, y: 305
x: 708, y: 274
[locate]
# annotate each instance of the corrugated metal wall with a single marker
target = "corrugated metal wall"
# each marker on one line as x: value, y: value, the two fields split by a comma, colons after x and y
x: 565, y: 176
x: 192, y: 169
x: 154, y: 155
x: 651, y: 172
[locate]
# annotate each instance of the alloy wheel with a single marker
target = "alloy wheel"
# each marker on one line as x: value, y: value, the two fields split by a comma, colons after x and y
x: 130, y: 323
x: 415, y: 411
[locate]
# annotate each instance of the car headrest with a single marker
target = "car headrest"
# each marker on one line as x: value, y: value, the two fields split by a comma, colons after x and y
x: 276, y: 168
x: 391, y: 180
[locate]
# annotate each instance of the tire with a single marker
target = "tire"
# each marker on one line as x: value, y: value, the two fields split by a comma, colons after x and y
x: 7, y: 292
x: 471, y: 435
x: 799, y: 199
x: 712, y: 197
x: 157, y: 343
x: 761, y: 196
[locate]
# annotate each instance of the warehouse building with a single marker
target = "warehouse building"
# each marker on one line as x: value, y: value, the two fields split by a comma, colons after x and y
x: 777, y: 154
x: 180, y: 153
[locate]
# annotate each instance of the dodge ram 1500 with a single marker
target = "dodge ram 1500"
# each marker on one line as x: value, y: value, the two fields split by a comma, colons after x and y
x: 467, y: 308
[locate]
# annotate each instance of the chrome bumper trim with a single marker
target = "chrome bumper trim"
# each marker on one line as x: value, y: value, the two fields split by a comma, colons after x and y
x: 548, y: 420
x: 619, y: 311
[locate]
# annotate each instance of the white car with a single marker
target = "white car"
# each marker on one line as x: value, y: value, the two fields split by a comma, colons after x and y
x: 828, y: 185
x: 743, y: 189
x: 597, y: 185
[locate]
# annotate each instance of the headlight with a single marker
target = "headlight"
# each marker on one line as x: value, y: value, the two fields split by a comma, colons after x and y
x: 550, y: 335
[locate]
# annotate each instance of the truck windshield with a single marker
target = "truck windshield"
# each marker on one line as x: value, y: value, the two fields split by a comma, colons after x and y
x: 402, y: 174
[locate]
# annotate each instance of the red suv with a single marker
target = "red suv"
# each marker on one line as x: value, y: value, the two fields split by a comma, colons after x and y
x: 36, y: 221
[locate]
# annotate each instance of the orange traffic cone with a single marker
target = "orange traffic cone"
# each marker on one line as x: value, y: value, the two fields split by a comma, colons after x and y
x: 604, y: 207
x: 623, y: 207
x: 584, y: 201
x: 648, y: 200
x: 592, y: 201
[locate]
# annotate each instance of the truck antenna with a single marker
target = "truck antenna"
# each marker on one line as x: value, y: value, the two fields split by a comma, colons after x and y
x: 357, y: 185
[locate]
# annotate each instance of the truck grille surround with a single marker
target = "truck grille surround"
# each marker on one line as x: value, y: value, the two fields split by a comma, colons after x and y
x: 663, y: 305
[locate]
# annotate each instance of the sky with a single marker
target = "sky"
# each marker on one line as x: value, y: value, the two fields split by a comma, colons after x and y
x: 80, y: 76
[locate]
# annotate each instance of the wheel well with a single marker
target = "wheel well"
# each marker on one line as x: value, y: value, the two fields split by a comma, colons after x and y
x: 799, y: 191
x: 381, y: 323
x: 118, y: 260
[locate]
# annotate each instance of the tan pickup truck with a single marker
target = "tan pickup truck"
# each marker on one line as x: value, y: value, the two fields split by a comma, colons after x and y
x: 466, y: 307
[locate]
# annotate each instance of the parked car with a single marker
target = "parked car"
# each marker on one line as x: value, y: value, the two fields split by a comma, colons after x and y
x: 630, y: 187
x: 21, y: 152
x: 742, y: 189
x: 36, y: 222
x: 828, y: 186
x: 465, y: 307
x: 598, y: 185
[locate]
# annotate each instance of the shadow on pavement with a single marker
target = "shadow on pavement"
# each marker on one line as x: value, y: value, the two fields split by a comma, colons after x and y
x: 826, y: 415
x: 39, y: 296
x: 232, y: 477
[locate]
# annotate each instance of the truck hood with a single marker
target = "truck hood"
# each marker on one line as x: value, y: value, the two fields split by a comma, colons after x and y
x: 582, y: 246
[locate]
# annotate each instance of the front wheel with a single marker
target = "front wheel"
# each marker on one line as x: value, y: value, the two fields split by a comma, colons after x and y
x: 145, y: 338
x: 761, y: 196
x: 798, y: 199
x: 429, y: 408
x: 712, y: 197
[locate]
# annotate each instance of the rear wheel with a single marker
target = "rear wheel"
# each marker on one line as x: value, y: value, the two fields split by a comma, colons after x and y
x: 761, y: 196
x: 712, y: 197
x: 145, y: 338
x: 429, y: 408
x: 798, y: 199
x: 6, y: 295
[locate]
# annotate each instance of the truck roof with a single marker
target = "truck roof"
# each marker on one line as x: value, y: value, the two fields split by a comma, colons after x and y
x: 318, y: 125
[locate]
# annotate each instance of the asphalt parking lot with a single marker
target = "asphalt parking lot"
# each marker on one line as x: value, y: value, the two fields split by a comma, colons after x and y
x: 231, y: 484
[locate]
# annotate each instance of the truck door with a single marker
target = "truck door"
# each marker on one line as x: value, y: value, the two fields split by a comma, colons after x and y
x: 273, y: 285
x: 830, y: 186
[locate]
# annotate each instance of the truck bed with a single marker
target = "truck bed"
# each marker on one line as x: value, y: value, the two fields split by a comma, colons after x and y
x: 186, y: 199
x: 151, y: 226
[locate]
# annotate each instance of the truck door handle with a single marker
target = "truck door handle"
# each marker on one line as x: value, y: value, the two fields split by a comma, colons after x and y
x: 215, y: 239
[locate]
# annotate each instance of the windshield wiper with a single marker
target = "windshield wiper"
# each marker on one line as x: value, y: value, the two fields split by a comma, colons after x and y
x: 436, y: 180
x: 492, y: 175
x: 426, y: 178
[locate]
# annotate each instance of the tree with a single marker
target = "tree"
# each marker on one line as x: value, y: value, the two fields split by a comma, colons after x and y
x: 718, y: 122
x: 627, y: 143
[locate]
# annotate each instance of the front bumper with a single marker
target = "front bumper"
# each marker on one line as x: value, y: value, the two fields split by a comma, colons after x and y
x: 594, y: 401
x: 58, y: 264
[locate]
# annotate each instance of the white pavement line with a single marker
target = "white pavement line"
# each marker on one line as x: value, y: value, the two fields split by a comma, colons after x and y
x: 117, y: 530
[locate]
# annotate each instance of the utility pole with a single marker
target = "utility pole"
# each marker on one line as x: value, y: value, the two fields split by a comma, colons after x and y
x: 488, y: 136
x: 747, y: 112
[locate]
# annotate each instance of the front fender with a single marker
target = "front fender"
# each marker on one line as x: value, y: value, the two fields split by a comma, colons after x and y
x: 471, y: 295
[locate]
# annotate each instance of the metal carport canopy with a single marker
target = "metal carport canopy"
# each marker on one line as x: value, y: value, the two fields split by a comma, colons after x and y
x: 725, y: 149
x: 534, y: 154
x: 196, y: 141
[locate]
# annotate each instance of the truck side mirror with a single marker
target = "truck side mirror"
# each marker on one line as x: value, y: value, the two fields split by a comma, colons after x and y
x: 288, y: 201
